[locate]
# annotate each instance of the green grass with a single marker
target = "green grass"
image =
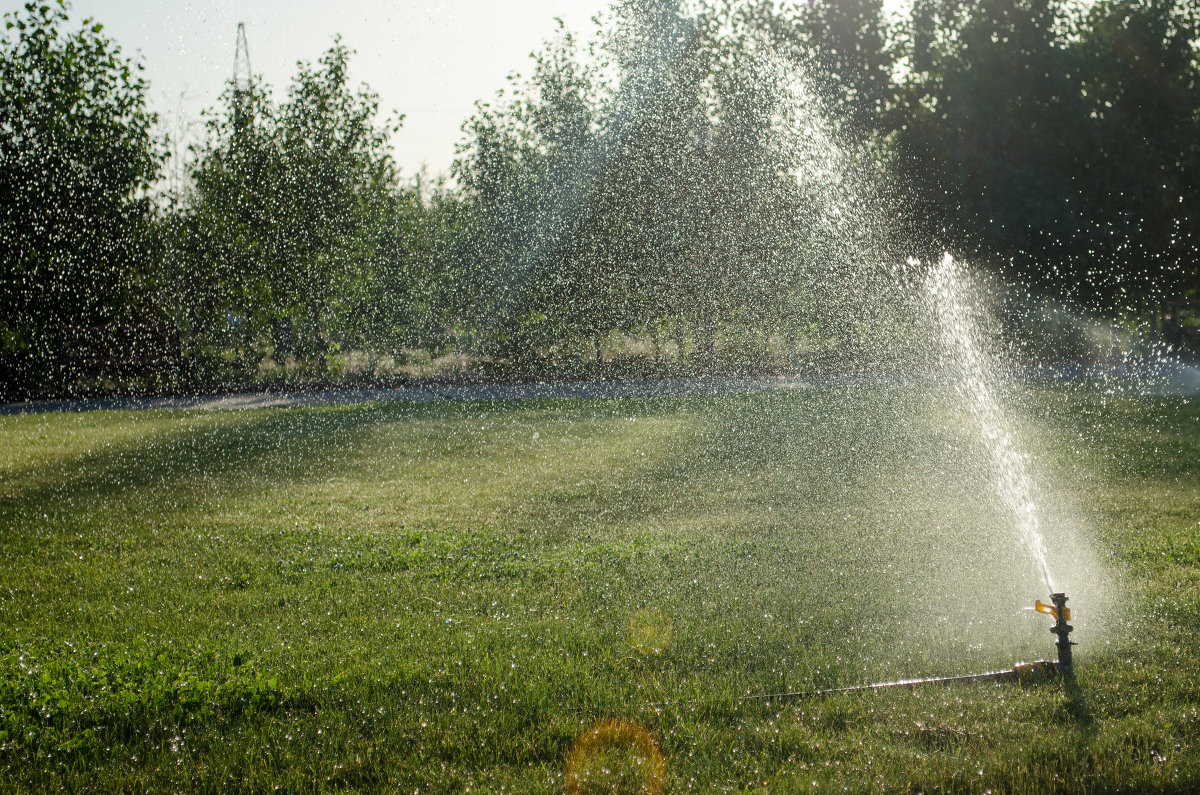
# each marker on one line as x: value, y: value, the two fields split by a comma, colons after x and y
x: 443, y: 597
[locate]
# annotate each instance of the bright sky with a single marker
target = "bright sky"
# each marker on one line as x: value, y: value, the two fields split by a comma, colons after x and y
x: 428, y: 59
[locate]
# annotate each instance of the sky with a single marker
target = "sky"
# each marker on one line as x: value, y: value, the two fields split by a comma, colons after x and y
x: 430, y: 60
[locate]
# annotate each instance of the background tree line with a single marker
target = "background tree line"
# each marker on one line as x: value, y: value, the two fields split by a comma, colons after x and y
x: 637, y: 183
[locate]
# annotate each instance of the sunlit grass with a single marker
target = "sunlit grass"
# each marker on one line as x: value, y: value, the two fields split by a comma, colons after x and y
x: 451, y: 595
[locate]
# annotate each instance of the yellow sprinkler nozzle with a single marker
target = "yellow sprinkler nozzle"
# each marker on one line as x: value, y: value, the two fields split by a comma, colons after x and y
x: 1051, y: 610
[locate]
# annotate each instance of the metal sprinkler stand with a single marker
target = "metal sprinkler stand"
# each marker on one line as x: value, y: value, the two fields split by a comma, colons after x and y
x: 1061, y: 614
x: 1023, y: 673
x: 1062, y: 629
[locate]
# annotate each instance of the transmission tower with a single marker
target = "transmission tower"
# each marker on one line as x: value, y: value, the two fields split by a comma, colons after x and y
x: 243, y: 82
x: 243, y: 78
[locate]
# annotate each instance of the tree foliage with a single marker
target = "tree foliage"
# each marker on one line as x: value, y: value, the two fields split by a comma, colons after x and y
x: 77, y: 157
x: 694, y: 172
x: 296, y: 229
x: 1060, y: 140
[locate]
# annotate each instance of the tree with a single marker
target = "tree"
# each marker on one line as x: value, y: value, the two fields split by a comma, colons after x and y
x: 846, y: 51
x: 647, y: 189
x: 1140, y: 80
x: 289, y: 211
x: 221, y: 287
x: 529, y: 172
x: 77, y: 157
x: 1058, y: 142
x: 992, y: 128
x: 409, y: 296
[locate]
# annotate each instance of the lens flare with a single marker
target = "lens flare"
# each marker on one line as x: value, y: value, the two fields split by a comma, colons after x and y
x: 649, y: 631
x: 616, y: 756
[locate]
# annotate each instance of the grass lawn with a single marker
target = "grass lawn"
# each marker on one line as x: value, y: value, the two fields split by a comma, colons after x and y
x: 443, y: 597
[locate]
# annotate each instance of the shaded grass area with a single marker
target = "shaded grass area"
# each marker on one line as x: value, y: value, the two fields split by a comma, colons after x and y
x: 438, y: 597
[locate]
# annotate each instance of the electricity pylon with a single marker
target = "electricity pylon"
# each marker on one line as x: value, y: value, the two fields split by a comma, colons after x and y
x: 243, y: 81
x: 243, y: 78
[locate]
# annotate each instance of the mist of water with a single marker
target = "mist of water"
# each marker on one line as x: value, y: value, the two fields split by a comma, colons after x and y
x: 975, y: 369
x: 918, y: 323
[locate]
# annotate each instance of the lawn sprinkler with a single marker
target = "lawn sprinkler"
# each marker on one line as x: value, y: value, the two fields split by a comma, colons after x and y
x: 1025, y: 673
x: 1061, y: 614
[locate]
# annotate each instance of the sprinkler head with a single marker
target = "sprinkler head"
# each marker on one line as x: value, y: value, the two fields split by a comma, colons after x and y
x: 1061, y: 614
x: 1062, y: 629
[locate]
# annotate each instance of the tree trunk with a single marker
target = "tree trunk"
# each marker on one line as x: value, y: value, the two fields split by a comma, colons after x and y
x: 321, y: 344
x: 708, y: 348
